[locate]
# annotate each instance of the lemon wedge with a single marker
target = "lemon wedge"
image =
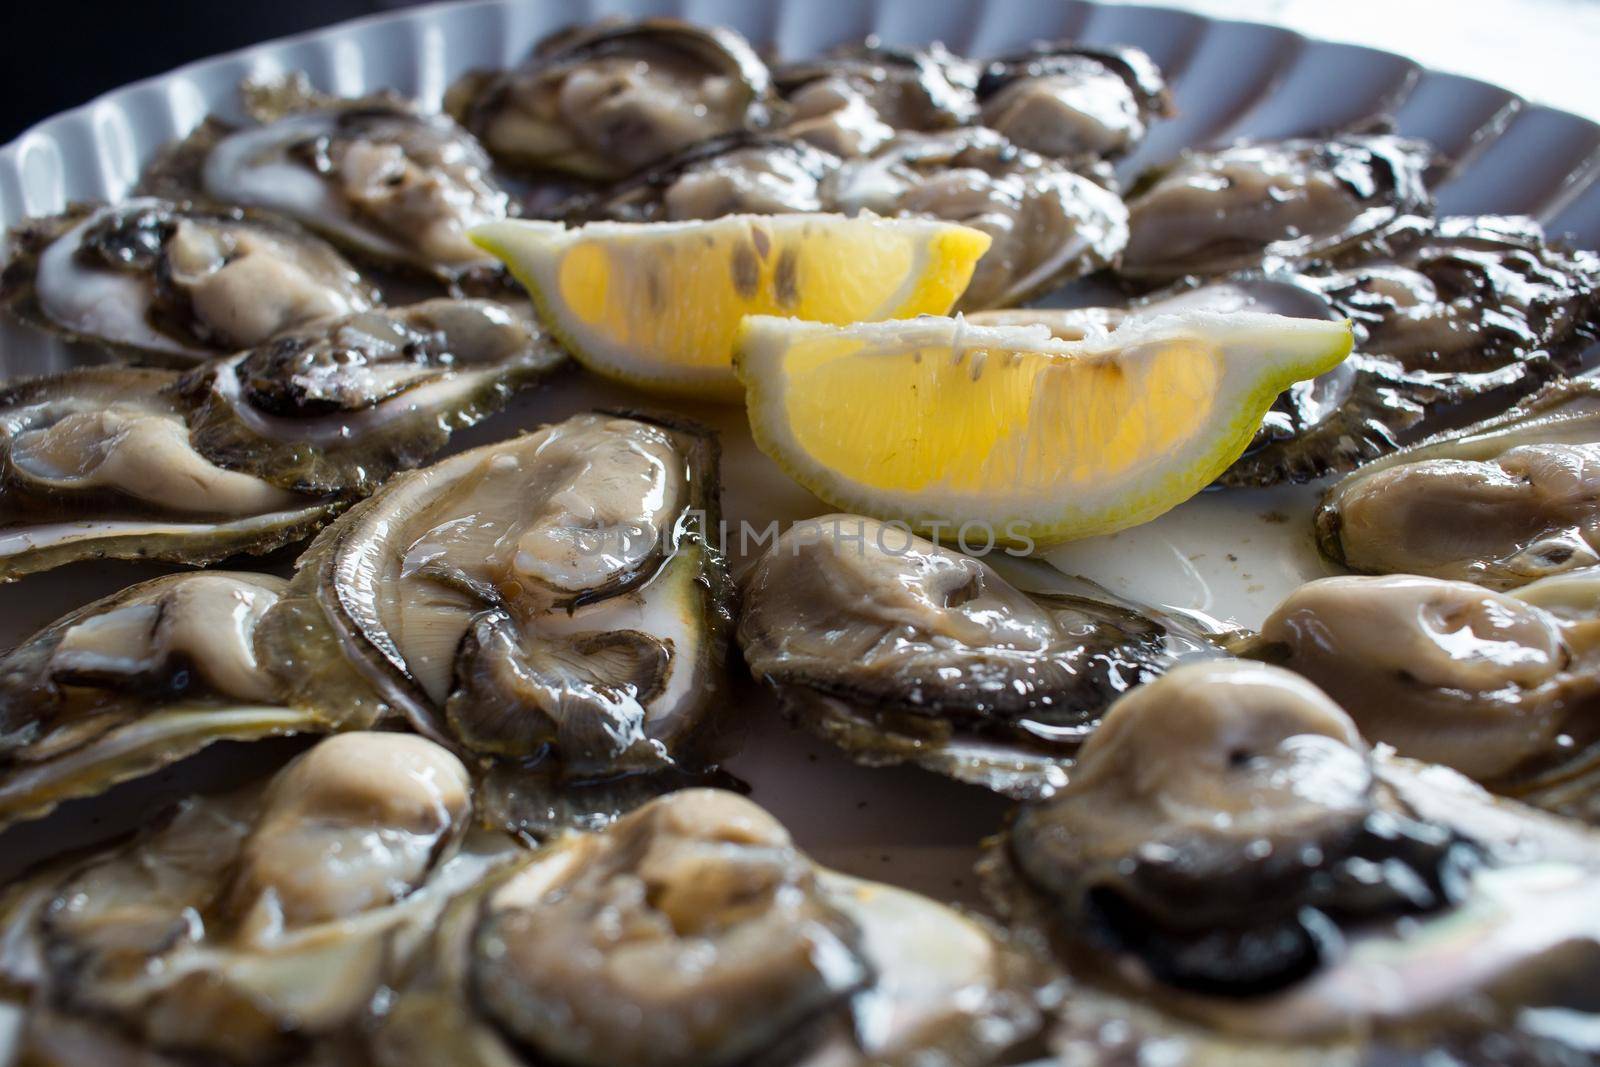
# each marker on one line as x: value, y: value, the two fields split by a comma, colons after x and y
x: 941, y: 424
x: 658, y: 304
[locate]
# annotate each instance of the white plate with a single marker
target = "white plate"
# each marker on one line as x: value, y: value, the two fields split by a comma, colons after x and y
x: 1231, y: 554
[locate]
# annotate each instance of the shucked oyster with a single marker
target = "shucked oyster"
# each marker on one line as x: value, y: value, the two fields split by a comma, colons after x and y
x: 547, y: 606
x: 1048, y: 223
x: 1296, y: 201
x: 174, y: 280
x: 603, y: 101
x: 1503, y: 688
x: 1073, y: 102
x: 1233, y: 877
x: 897, y: 649
x: 136, y: 681
x: 376, y: 175
x: 97, y: 463
x: 692, y: 933
x: 341, y: 405
x: 251, y: 928
x: 1501, y: 503
x: 860, y: 96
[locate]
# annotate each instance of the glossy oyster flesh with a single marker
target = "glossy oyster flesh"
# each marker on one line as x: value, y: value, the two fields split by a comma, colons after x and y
x: 548, y: 606
x: 1073, y: 102
x: 694, y: 932
x: 224, y: 934
x: 175, y: 281
x: 339, y: 406
x: 1501, y: 503
x: 1233, y: 876
x: 97, y: 463
x: 376, y: 176
x: 899, y: 650
x: 1505, y: 688
x: 1210, y: 212
x: 861, y: 96
x: 604, y: 100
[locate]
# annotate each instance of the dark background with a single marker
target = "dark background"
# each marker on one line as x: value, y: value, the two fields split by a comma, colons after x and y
x: 56, y: 54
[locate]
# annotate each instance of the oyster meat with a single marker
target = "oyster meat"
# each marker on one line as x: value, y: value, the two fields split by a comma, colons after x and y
x: 694, y: 932
x: 339, y: 406
x: 860, y: 96
x: 225, y: 935
x: 548, y: 606
x: 97, y: 463
x: 899, y: 650
x: 1297, y: 201
x: 376, y: 176
x: 1501, y: 503
x: 1504, y: 688
x: 1233, y: 876
x: 175, y: 281
x: 1074, y: 102
x: 604, y: 100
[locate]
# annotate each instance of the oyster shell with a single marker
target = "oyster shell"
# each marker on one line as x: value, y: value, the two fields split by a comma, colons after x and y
x: 899, y: 650
x: 135, y: 681
x: 738, y: 949
x: 339, y: 406
x: 1503, y: 688
x: 376, y: 176
x: 97, y: 463
x: 548, y: 606
x: 1072, y: 101
x: 1501, y: 503
x: 175, y: 281
x: 860, y: 96
x: 605, y: 100
x: 224, y: 935
x: 1234, y: 877
x: 1049, y: 224
x: 1300, y: 200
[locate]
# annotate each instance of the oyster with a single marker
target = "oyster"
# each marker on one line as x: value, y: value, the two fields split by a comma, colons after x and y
x: 175, y: 281
x: 548, y: 606
x: 1501, y: 503
x: 605, y: 100
x: 1048, y: 223
x: 225, y: 935
x: 1074, y: 102
x: 1503, y: 688
x: 97, y: 463
x: 693, y: 932
x: 860, y: 96
x: 376, y: 176
x: 1232, y: 876
x: 339, y: 406
x: 1298, y: 201
x: 897, y: 649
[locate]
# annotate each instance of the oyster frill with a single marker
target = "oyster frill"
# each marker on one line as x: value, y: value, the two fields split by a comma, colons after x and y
x: 549, y: 607
x: 174, y: 281
x: 376, y: 176
x: 1233, y: 877
x: 97, y: 462
x: 899, y: 650
x: 339, y: 406
x: 1504, y: 688
x: 229, y: 934
x: 693, y: 933
x: 604, y: 100
x: 1297, y: 201
x: 1502, y: 503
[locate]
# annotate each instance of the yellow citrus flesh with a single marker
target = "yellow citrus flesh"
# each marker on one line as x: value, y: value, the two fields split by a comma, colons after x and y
x: 936, y: 422
x: 659, y: 304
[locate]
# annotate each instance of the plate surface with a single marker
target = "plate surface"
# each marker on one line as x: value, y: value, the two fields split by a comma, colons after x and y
x: 1232, y: 555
